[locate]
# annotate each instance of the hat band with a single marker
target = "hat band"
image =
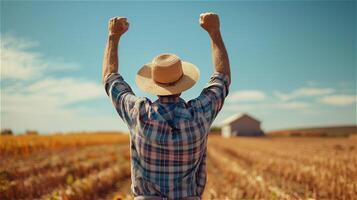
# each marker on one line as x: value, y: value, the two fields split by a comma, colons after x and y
x: 169, y: 83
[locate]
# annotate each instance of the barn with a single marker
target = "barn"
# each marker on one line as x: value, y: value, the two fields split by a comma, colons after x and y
x: 241, y: 125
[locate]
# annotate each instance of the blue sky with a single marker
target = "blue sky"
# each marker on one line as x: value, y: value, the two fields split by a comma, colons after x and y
x: 293, y: 62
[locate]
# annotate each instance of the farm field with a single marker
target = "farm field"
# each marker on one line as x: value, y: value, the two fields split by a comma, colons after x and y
x: 97, y: 166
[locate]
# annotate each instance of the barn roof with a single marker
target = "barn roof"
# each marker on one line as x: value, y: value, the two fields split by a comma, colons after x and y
x: 235, y: 117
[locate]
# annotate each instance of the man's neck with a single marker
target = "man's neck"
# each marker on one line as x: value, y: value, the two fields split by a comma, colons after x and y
x: 169, y: 98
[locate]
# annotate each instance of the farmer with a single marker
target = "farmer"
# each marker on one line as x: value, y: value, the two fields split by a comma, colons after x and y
x: 168, y: 137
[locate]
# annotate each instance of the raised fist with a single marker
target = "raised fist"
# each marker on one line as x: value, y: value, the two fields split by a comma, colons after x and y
x: 210, y: 22
x: 118, y: 25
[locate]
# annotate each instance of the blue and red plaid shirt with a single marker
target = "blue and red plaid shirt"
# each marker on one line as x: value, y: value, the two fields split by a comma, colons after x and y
x: 168, y: 137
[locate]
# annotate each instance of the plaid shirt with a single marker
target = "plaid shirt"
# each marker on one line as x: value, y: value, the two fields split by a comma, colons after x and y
x: 168, y: 137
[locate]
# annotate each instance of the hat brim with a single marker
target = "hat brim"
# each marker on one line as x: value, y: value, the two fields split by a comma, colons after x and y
x: 145, y: 82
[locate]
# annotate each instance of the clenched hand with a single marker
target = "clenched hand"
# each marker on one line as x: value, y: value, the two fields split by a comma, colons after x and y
x: 118, y: 26
x: 210, y: 22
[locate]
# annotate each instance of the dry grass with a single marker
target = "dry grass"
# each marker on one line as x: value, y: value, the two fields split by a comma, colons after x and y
x: 27, y: 144
x: 284, y: 168
x: 97, y: 166
x: 333, y: 131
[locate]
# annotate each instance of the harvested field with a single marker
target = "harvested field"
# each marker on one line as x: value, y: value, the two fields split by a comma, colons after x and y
x: 238, y: 168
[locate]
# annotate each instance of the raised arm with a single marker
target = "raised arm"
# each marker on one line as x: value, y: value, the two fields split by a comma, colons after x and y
x: 210, y: 22
x: 117, y: 27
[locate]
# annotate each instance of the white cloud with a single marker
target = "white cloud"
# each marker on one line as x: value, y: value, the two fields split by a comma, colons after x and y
x: 68, y: 90
x: 44, y: 106
x: 293, y: 105
x: 339, y: 100
x: 304, y: 92
x: 245, y: 107
x: 49, y: 118
x: 10, y: 41
x: 313, y: 91
x: 239, y: 107
x: 18, y: 62
x: 33, y: 99
x: 50, y: 93
x: 246, y: 95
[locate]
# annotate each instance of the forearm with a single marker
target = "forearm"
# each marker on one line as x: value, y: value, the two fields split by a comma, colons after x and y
x: 219, y: 54
x: 110, y: 60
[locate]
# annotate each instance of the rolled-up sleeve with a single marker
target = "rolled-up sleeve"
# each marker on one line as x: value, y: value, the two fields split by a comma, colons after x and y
x: 212, y: 96
x: 121, y: 95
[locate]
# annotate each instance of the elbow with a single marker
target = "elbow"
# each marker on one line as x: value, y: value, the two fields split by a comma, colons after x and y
x: 103, y: 79
x: 104, y: 75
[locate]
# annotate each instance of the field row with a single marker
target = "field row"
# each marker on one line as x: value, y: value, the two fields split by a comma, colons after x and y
x: 71, y: 177
x: 287, y: 173
x: 27, y: 144
x: 238, y: 168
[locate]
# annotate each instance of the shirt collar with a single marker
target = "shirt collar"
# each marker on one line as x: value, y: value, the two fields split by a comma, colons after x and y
x: 169, y: 99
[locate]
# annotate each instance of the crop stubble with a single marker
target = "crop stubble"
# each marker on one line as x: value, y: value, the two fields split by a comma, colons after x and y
x: 238, y: 168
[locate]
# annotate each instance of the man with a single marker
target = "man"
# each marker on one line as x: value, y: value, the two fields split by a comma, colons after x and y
x: 168, y: 137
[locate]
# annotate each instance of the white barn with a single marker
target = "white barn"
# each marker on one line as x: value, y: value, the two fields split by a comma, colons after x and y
x: 241, y: 125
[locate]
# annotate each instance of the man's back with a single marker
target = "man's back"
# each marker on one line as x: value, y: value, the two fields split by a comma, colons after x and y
x: 168, y: 149
x: 168, y: 137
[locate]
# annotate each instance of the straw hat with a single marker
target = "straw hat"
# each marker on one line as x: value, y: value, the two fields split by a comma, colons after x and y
x: 167, y: 75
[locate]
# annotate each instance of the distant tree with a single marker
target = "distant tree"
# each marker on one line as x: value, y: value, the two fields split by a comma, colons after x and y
x: 6, y: 132
x: 31, y: 132
x: 215, y: 129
